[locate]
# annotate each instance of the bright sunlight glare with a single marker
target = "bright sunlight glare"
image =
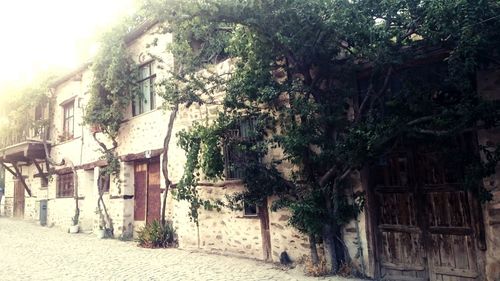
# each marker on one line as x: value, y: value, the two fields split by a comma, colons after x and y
x: 38, y: 35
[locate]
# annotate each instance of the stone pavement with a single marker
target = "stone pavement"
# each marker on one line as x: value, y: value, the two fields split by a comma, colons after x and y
x: 32, y: 252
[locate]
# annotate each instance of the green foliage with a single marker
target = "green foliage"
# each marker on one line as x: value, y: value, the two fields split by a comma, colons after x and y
x: 114, y: 82
x: 113, y: 88
x: 339, y: 83
x: 18, y: 110
x: 156, y: 235
x: 193, y: 143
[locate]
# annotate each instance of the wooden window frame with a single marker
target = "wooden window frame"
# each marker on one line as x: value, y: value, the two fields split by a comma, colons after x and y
x: 152, y: 96
x: 69, y: 118
x: 65, y: 186
x: 247, y: 212
x: 106, y: 188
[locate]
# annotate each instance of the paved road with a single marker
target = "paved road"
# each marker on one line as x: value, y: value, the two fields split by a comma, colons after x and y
x: 31, y: 252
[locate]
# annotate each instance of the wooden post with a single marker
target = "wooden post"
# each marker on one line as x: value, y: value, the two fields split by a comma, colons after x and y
x: 264, y: 230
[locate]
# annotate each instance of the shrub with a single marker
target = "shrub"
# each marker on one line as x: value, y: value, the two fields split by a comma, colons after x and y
x: 155, y: 235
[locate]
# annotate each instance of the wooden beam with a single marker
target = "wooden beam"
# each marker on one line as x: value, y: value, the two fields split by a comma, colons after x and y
x: 92, y: 165
x: 9, y: 169
x: 43, y: 176
x: 141, y: 155
x: 20, y: 177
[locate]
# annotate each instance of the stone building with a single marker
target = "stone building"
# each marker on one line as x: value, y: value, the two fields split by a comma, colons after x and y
x: 386, y: 240
x: 135, y: 198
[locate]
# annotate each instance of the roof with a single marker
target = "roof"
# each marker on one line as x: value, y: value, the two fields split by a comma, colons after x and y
x: 69, y: 75
x: 129, y: 38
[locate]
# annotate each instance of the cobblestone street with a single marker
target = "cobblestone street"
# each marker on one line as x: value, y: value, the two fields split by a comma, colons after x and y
x: 31, y: 252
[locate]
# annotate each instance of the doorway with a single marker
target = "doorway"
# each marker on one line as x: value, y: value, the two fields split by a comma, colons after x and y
x: 147, y: 193
x: 426, y: 223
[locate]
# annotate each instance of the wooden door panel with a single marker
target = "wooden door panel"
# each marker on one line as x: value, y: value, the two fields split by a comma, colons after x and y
x: 18, y: 199
x: 452, y: 254
x: 401, y: 252
x: 153, y: 193
x: 140, y: 183
x: 425, y: 229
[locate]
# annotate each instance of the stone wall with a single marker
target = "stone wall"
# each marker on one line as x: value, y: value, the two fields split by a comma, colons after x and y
x: 489, y: 87
x: 232, y: 232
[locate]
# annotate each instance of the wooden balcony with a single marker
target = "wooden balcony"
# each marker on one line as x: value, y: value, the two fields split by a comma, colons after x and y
x: 23, y: 146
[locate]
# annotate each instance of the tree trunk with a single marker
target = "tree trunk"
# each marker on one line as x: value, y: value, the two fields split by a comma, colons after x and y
x: 103, y: 181
x: 328, y: 238
x: 264, y: 231
x: 314, y: 250
x: 164, y: 167
x: 329, y: 246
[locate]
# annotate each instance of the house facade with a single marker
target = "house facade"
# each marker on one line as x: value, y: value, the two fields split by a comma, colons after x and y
x: 408, y: 231
x: 134, y: 199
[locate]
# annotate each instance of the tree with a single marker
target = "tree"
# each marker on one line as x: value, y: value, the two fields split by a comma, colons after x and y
x: 335, y: 85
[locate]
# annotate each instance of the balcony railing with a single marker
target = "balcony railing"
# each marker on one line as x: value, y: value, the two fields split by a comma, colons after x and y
x: 29, y: 132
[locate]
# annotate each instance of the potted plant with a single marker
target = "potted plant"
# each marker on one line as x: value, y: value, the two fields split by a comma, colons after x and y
x: 101, y: 232
x: 74, y: 228
x: 95, y: 128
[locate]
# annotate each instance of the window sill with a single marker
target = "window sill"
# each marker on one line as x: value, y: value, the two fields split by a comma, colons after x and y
x: 70, y: 197
x: 139, y: 115
x: 67, y: 141
x: 248, y: 217
x: 222, y: 183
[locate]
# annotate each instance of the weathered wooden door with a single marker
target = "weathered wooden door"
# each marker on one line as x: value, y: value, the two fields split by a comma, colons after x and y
x: 147, y: 192
x: 424, y: 221
x: 140, y: 184
x: 18, y: 199
x: 154, y: 193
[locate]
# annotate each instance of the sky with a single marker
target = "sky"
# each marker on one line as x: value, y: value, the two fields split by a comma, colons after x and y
x: 40, y: 35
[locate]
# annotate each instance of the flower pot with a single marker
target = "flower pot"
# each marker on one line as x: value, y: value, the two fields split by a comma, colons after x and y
x: 95, y: 128
x: 74, y: 229
x: 101, y: 233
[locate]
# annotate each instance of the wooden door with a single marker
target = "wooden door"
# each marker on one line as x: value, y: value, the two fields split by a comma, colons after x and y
x: 448, y: 222
x: 153, y: 192
x: 140, y: 184
x: 147, y: 203
x: 18, y: 199
x: 399, y: 234
x: 424, y: 225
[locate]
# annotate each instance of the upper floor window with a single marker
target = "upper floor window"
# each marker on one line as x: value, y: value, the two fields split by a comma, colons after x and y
x: 69, y: 120
x: 65, y: 186
x: 38, y: 129
x: 38, y: 113
x: 234, y: 149
x: 145, y: 100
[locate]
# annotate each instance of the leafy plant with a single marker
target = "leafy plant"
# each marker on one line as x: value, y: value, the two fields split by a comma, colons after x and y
x: 157, y: 235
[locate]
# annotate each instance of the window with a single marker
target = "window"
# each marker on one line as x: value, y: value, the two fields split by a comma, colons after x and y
x: 38, y: 129
x: 145, y: 100
x: 235, y: 151
x: 105, y: 182
x: 249, y: 210
x: 38, y: 113
x: 65, y: 187
x: 69, y: 120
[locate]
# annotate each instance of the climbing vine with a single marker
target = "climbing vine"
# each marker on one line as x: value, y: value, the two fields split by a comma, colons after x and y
x: 198, y: 143
x: 342, y: 82
x: 113, y: 88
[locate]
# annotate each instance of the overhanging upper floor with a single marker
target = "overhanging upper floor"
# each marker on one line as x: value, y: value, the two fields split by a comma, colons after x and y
x: 26, y: 151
